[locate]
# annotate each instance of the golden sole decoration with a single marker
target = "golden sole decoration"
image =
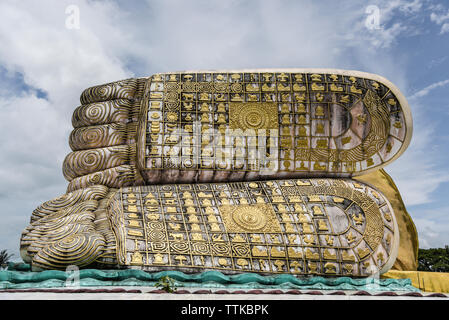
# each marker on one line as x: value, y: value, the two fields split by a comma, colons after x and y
x: 311, y: 226
x: 335, y: 122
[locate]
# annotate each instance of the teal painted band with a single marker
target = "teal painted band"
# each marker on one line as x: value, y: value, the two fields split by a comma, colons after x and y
x: 11, y: 279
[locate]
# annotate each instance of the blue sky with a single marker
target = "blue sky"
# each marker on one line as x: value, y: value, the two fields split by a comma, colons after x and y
x: 45, y: 64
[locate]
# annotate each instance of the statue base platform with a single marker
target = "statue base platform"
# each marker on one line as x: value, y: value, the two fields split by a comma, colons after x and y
x: 209, y: 280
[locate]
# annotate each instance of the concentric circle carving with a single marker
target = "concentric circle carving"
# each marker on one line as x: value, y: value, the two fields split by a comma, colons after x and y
x: 249, y: 218
x: 253, y: 116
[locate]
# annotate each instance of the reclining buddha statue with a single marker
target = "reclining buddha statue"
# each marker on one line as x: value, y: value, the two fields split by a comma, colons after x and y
x: 235, y: 171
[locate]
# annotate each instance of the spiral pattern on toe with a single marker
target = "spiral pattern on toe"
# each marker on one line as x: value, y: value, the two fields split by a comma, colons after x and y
x: 74, y: 211
x: 79, y: 249
x: 124, y: 89
x: 84, y: 162
x: 71, y: 232
x: 116, y: 177
x: 48, y: 226
x: 94, y: 192
x: 97, y: 136
x: 102, y: 113
x: 42, y: 239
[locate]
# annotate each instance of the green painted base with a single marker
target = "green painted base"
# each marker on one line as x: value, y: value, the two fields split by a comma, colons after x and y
x: 15, y: 279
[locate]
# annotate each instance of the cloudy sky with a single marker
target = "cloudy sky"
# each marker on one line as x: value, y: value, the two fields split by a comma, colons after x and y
x: 48, y: 56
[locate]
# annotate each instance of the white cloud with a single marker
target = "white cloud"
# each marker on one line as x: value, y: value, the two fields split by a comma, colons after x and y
x: 397, y: 18
x: 388, y: 35
x: 444, y: 28
x: 411, y: 7
x: 425, y: 91
x: 436, y: 62
x: 432, y: 226
x: 441, y: 19
x: 420, y: 170
x: 427, y: 233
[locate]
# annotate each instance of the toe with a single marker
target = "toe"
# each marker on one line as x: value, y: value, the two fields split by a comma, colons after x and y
x: 85, y: 162
x: 124, y: 89
x: 113, y: 111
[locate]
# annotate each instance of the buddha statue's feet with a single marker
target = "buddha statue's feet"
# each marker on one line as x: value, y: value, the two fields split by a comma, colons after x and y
x: 301, y: 226
x: 229, y: 135
x: 237, y: 125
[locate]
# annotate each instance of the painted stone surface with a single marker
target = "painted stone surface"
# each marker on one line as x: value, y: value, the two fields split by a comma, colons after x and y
x: 236, y: 126
x: 298, y: 226
x: 309, y: 226
x: 235, y: 171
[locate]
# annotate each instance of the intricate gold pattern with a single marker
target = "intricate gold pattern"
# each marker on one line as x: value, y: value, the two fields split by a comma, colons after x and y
x: 330, y: 227
x: 323, y: 122
x: 249, y: 218
x: 263, y: 115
